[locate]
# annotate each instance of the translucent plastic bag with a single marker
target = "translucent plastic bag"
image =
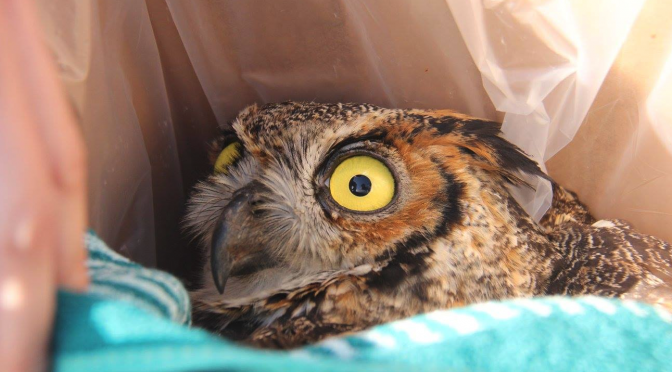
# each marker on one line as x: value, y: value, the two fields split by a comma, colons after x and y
x: 151, y: 80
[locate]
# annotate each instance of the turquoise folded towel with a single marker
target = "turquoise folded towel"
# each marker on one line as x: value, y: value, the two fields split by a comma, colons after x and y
x: 136, y: 319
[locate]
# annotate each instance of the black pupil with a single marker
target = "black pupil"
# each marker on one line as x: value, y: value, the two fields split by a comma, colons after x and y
x: 360, y: 185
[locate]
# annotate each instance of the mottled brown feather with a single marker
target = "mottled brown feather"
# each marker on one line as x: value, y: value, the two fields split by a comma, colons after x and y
x: 454, y: 236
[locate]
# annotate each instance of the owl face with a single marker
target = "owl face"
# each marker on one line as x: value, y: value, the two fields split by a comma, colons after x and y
x: 303, y: 191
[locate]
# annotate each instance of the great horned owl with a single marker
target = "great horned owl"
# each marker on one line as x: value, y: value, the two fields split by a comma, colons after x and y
x: 321, y: 219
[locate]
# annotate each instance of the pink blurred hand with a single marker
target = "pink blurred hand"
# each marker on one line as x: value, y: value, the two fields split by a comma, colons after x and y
x: 42, y: 191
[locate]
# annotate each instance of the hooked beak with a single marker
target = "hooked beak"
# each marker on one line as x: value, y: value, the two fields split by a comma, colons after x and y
x: 236, y: 248
x: 220, y: 260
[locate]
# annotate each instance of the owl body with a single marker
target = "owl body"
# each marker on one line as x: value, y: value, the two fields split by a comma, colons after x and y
x: 291, y: 256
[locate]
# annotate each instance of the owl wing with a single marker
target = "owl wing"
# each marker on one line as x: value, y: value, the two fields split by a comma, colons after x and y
x: 296, y: 332
x: 565, y: 208
x: 653, y: 290
x: 655, y: 285
x: 609, y: 258
x: 284, y: 320
x: 268, y: 329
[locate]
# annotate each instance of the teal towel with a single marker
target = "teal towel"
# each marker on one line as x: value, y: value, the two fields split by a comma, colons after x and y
x: 115, y: 277
x: 136, y: 319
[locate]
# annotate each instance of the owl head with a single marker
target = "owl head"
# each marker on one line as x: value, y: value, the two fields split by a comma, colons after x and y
x: 301, y: 191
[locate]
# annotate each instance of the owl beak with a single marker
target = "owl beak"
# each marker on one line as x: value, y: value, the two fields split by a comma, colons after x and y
x: 220, y: 259
x: 235, y: 247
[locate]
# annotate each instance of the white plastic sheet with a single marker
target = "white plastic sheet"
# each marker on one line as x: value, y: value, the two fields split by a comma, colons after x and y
x: 151, y: 80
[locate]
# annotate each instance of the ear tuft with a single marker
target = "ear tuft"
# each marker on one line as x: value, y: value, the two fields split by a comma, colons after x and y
x: 484, y: 138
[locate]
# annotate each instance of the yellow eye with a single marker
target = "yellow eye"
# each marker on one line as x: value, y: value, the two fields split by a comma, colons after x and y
x: 362, y: 183
x: 230, y: 153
